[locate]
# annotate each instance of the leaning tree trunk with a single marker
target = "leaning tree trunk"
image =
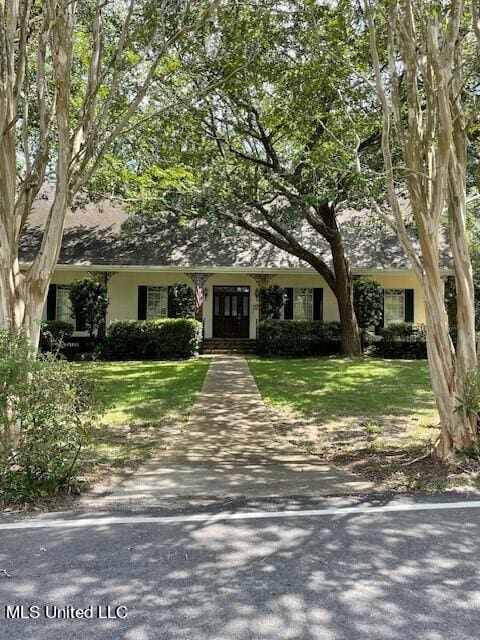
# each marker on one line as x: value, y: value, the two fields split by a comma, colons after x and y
x: 350, y: 334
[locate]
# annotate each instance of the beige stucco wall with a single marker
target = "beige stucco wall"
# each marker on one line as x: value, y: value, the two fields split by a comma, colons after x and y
x: 330, y: 309
x: 398, y: 281
x: 123, y: 291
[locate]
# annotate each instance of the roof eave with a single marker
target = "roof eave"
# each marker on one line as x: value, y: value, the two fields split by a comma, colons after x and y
x: 83, y: 266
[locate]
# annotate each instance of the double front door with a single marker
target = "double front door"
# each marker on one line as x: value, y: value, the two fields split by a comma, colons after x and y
x: 231, y: 312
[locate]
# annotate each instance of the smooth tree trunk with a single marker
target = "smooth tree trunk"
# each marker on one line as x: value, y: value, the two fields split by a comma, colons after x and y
x: 23, y: 295
x: 433, y: 143
x: 36, y: 62
x: 447, y: 371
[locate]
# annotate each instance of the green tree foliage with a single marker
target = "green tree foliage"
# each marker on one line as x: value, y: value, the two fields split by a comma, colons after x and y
x: 271, y: 299
x: 278, y: 139
x: 89, y: 302
x: 181, y: 301
x: 368, y: 302
x: 74, y: 78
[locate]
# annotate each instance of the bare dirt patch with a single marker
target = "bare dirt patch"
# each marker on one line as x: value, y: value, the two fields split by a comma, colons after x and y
x: 395, y: 452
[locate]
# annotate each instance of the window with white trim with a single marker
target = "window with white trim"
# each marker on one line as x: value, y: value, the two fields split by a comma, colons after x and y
x: 157, y: 303
x: 63, y: 310
x: 394, y: 306
x: 303, y: 304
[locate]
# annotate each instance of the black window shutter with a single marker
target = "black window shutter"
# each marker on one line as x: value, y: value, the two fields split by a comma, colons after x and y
x: 288, y: 309
x: 409, y: 316
x: 318, y: 303
x: 169, y: 299
x: 52, y: 302
x: 142, y: 303
x: 382, y: 317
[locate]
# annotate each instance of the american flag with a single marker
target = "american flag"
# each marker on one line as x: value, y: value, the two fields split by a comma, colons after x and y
x: 199, y: 297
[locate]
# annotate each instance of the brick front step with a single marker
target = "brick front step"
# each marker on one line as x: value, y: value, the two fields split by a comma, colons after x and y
x: 227, y: 345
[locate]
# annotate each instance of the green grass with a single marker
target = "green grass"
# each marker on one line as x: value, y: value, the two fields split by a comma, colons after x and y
x: 334, y: 387
x: 148, y: 392
x: 366, y: 415
x: 139, y: 398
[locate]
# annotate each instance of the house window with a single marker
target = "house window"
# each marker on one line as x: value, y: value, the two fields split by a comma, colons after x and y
x: 157, y: 303
x: 394, y: 306
x: 303, y: 304
x: 63, y: 309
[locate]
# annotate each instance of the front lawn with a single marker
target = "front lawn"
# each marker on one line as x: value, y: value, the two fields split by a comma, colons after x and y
x: 143, y: 402
x: 334, y: 387
x: 148, y: 392
x: 370, y: 415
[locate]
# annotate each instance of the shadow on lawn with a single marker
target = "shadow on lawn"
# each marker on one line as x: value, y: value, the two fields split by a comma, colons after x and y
x: 146, y: 392
x: 342, y: 577
x: 340, y: 387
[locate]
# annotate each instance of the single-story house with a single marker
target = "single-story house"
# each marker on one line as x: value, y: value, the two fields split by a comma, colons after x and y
x: 225, y: 267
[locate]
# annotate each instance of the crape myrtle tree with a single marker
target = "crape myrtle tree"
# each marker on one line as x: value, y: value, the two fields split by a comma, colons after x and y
x: 423, y: 86
x: 73, y: 76
x: 275, y: 146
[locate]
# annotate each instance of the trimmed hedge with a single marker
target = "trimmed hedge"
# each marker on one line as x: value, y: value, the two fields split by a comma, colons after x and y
x: 402, y: 340
x: 298, y: 338
x: 152, y: 339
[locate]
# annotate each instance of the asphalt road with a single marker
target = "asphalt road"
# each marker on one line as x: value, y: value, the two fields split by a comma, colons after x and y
x: 335, y: 575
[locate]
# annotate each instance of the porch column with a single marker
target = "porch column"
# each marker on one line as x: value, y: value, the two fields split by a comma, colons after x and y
x: 199, y: 279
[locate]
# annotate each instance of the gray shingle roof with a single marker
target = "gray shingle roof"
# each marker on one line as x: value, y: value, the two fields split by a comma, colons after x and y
x: 95, y: 235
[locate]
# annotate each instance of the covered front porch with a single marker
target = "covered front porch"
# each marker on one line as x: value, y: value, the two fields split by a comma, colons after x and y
x: 226, y: 299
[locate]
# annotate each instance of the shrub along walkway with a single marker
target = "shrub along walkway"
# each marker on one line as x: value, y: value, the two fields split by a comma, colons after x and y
x: 229, y: 449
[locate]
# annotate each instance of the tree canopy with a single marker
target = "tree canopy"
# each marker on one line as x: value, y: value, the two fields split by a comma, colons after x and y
x: 282, y: 132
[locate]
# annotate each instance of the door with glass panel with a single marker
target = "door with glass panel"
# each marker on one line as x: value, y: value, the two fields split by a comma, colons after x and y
x: 231, y: 312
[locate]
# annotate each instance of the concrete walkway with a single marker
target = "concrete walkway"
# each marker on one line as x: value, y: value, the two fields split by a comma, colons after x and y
x: 229, y: 449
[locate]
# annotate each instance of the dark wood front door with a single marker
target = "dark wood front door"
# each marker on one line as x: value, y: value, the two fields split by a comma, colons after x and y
x: 231, y: 312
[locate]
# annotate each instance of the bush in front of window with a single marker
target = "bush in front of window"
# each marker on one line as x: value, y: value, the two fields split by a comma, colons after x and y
x: 271, y: 299
x: 368, y: 302
x: 181, y: 301
x: 89, y: 301
x: 298, y: 338
x: 165, y: 339
x: 404, y: 331
x: 402, y: 340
